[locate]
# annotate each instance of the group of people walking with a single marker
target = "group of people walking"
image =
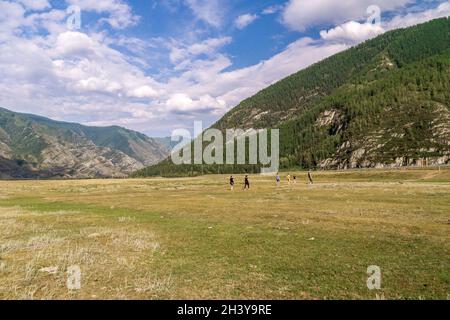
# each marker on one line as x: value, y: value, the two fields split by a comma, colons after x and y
x: 246, y: 183
x: 290, y: 179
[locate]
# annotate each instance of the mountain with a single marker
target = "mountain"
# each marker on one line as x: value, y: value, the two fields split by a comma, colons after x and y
x: 382, y: 103
x: 36, y: 147
x: 166, y: 142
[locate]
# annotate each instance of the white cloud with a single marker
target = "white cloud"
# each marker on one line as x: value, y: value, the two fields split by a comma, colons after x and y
x: 183, y: 103
x: 72, y: 66
x: 296, y: 56
x: 52, y: 21
x: 143, y: 92
x: 74, y: 44
x: 208, y: 78
x: 25, y: 63
x: 81, y: 77
x: 302, y: 14
x: 78, y: 76
x: 245, y: 20
x: 11, y: 17
x: 352, y: 32
x: 96, y: 84
x: 272, y: 9
x: 180, y: 101
x: 120, y: 14
x: 210, y: 11
x: 35, y: 4
x: 410, y: 19
x: 180, y: 52
x: 208, y: 46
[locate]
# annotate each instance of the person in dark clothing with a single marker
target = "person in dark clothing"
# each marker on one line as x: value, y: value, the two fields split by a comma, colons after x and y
x: 310, y: 177
x: 232, y: 183
x: 246, y: 183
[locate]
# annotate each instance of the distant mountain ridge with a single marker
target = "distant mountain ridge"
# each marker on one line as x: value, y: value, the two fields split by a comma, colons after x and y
x: 32, y: 146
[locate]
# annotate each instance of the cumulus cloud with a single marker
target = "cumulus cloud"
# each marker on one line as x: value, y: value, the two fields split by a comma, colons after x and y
x: 352, y: 32
x: 182, y: 103
x: 180, y: 51
x: 77, y: 76
x: 410, y: 19
x: 11, y: 17
x: 74, y: 44
x: 208, y: 11
x: 302, y: 14
x: 143, y: 92
x: 208, y: 77
x: 83, y: 77
x: 88, y: 65
x: 272, y: 9
x: 119, y: 13
x: 35, y: 4
x: 245, y: 20
x: 52, y: 21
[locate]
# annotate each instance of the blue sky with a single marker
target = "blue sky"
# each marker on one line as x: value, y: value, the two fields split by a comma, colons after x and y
x: 155, y: 66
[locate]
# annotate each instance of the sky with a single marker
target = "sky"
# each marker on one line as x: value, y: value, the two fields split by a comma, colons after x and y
x: 156, y: 66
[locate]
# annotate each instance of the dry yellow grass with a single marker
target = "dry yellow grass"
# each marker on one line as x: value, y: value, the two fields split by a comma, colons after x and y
x: 194, y: 239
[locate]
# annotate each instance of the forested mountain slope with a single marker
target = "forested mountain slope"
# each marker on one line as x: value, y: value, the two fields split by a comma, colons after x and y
x: 384, y: 102
x: 292, y: 96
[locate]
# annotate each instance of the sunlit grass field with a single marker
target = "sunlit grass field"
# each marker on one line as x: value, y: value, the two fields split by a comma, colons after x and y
x: 193, y: 238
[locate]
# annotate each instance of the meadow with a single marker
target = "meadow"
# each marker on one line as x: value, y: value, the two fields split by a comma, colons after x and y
x: 193, y: 238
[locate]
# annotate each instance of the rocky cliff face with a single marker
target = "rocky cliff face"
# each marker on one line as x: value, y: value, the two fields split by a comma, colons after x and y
x: 381, y: 146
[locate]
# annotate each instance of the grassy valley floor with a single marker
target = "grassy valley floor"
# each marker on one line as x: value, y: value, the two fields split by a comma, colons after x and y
x: 195, y: 239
